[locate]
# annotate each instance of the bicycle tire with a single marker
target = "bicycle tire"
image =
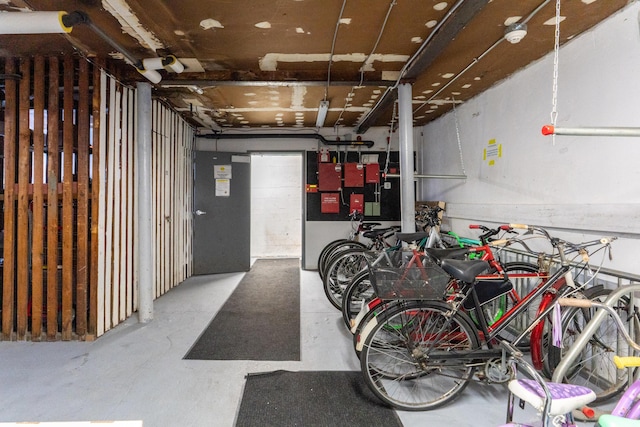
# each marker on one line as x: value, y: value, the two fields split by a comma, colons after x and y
x: 360, y: 289
x: 594, y: 367
x: 341, y: 268
x: 336, y: 248
x: 325, y: 250
x: 398, y: 360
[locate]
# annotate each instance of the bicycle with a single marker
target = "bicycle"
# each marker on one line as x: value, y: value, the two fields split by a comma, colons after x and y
x: 358, y: 228
x: 496, y: 295
x: 421, y: 354
x: 347, y: 262
x: 556, y: 402
x: 359, y: 287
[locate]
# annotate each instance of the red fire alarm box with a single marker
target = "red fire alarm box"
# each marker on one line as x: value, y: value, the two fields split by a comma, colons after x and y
x: 356, y: 203
x: 353, y: 175
x: 329, y: 176
x: 330, y: 203
x: 372, y: 173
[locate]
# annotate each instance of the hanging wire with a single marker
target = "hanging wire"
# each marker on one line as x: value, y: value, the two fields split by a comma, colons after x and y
x: 424, y: 44
x: 393, y: 118
x: 373, y: 50
x: 455, y: 119
x: 556, y: 50
x: 333, y: 46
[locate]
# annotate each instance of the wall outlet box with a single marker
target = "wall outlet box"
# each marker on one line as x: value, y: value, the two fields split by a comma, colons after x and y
x: 387, y: 185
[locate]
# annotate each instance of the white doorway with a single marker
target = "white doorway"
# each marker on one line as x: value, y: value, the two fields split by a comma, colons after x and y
x: 276, y: 205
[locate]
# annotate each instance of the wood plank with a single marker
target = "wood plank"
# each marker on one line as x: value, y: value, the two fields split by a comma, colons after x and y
x: 102, y: 206
x: 95, y: 199
x: 53, y: 179
x: 110, y: 152
x: 67, y: 198
x: 82, y: 266
x: 114, y: 165
x: 166, y: 196
x: 130, y: 176
x: 37, y: 246
x: 24, y: 160
x: 10, y: 134
x: 157, y: 176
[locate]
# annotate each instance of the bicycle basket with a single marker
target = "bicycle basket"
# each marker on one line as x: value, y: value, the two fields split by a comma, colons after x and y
x: 410, y: 282
x: 386, y: 258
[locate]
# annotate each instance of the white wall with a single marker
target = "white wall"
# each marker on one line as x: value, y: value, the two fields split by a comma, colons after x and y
x: 276, y: 205
x: 587, y: 184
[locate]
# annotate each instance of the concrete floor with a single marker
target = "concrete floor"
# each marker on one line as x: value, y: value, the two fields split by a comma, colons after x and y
x: 137, y: 371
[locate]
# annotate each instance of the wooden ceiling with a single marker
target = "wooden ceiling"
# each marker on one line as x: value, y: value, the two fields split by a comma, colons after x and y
x: 269, y: 63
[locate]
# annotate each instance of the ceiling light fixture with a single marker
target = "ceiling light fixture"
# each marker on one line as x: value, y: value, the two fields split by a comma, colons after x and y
x: 515, y: 32
x: 323, y: 109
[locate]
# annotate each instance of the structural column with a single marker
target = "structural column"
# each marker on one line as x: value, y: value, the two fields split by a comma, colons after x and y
x: 405, y: 132
x: 144, y: 236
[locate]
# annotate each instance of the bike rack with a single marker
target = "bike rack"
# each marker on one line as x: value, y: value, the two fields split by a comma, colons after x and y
x: 582, y: 340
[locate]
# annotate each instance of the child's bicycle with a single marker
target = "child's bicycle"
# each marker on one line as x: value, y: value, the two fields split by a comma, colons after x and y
x: 557, y: 402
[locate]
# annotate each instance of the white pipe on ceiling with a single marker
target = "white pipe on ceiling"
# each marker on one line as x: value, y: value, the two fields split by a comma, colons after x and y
x: 33, y: 23
x: 591, y: 131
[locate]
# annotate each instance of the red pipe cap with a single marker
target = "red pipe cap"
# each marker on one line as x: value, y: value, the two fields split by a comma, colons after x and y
x: 548, y: 130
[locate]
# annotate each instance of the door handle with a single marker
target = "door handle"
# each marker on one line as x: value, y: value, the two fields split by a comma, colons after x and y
x: 199, y: 212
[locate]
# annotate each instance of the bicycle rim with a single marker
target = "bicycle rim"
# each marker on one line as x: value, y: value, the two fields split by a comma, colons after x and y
x: 399, y: 357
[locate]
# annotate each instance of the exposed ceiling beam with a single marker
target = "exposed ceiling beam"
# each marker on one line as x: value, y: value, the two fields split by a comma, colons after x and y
x: 438, y: 42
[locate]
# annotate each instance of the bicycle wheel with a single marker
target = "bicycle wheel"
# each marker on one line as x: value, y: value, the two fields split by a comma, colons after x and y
x: 399, y: 358
x: 594, y: 367
x: 334, y: 247
x: 324, y: 253
x: 360, y: 291
x: 341, y: 268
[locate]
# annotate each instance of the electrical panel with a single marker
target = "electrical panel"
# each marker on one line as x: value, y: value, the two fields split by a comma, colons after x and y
x: 330, y: 203
x: 353, y: 175
x: 372, y: 173
x: 340, y: 182
x: 356, y: 203
x: 329, y: 176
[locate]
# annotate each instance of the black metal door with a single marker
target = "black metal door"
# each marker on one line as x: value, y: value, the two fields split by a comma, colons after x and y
x: 222, y: 213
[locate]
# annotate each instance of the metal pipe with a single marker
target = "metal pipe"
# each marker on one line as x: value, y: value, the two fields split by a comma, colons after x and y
x: 587, y: 333
x: 416, y: 176
x: 145, y: 243
x: 405, y: 132
x: 591, y: 131
x: 269, y: 83
x: 317, y: 136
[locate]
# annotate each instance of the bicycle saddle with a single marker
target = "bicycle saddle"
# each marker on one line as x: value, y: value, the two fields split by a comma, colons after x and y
x: 439, y: 254
x: 411, y: 237
x: 462, y: 269
x: 564, y: 397
x: 372, y: 234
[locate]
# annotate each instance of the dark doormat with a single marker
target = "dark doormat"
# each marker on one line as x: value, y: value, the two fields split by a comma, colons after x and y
x: 322, y: 398
x: 261, y: 318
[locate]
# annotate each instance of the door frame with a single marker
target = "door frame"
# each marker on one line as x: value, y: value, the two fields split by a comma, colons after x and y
x: 303, y: 171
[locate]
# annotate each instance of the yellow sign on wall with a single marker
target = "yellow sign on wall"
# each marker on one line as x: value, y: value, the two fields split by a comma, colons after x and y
x: 492, y: 152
